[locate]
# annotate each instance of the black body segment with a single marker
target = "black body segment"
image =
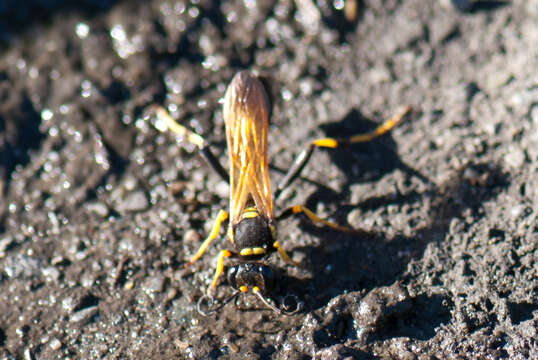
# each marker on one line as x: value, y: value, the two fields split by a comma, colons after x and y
x: 251, y: 233
x: 250, y: 275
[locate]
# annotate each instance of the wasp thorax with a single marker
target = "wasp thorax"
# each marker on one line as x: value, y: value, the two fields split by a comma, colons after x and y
x: 253, y: 233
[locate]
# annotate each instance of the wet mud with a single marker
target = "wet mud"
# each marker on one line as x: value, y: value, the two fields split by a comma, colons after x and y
x: 99, y: 210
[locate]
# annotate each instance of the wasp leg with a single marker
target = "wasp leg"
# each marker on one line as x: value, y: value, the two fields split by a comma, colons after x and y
x: 304, y: 155
x: 296, y: 209
x: 220, y: 267
x: 165, y: 121
x: 222, y: 216
x: 284, y: 255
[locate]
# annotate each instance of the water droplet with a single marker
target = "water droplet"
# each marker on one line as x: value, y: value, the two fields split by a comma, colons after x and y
x: 53, y: 131
x: 286, y: 94
x: 46, y: 114
x: 194, y: 12
x: 339, y: 4
x: 82, y: 30
x: 118, y: 33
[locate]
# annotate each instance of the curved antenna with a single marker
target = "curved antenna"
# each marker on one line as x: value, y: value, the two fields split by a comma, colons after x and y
x: 284, y: 309
x: 298, y: 305
x: 212, y: 306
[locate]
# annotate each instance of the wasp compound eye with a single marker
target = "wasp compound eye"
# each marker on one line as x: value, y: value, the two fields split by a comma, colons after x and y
x: 232, y: 274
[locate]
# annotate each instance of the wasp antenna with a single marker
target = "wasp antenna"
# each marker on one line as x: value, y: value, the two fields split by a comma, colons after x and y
x: 284, y: 310
x: 288, y: 310
x: 268, y: 302
x: 212, y: 306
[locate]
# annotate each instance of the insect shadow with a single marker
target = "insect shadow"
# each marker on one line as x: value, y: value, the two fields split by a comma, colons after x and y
x: 360, y: 163
x: 364, y: 260
x: 472, y: 7
x: 367, y: 161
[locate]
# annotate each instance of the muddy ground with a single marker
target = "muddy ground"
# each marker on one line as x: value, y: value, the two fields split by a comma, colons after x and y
x: 98, y: 210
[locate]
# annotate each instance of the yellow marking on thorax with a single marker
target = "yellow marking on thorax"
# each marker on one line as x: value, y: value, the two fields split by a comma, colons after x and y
x: 252, y: 251
x: 249, y: 213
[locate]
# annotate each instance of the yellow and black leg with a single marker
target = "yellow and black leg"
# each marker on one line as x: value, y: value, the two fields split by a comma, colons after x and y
x: 220, y: 267
x: 304, y: 156
x: 165, y: 122
x: 221, y: 217
x: 297, y: 209
x: 284, y: 255
x: 207, y: 304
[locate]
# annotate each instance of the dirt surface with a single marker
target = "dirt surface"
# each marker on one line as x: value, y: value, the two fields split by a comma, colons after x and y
x: 98, y: 210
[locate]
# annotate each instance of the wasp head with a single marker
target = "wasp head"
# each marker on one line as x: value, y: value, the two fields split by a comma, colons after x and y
x: 253, y: 277
x: 257, y: 278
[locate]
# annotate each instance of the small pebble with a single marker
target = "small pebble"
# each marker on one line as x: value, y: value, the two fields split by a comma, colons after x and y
x: 68, y: 304
x: 153, y: 284
x: 191, y: 236
x: 181, y: 345
x: 98, y: 208
x: 515, y: 157
x: 222, y: 189
x: 136, y: 201
x: 28, y: 355
x: 130, y: 183
x: 171, y: 294
x: 21, y: 267
x: 129, y: 285
x: 55, y: 344
x: 84, y: 315
x: 51, y: 273
x: 4, y: 244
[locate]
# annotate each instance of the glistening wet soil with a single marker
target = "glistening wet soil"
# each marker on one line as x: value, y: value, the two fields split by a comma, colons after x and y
x: 98, y: 210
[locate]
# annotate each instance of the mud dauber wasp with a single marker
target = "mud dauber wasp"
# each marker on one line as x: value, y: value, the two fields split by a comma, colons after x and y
x: 251, y: 230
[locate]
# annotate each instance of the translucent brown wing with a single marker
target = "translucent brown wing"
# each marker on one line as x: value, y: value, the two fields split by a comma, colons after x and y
x: 245, y: 112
